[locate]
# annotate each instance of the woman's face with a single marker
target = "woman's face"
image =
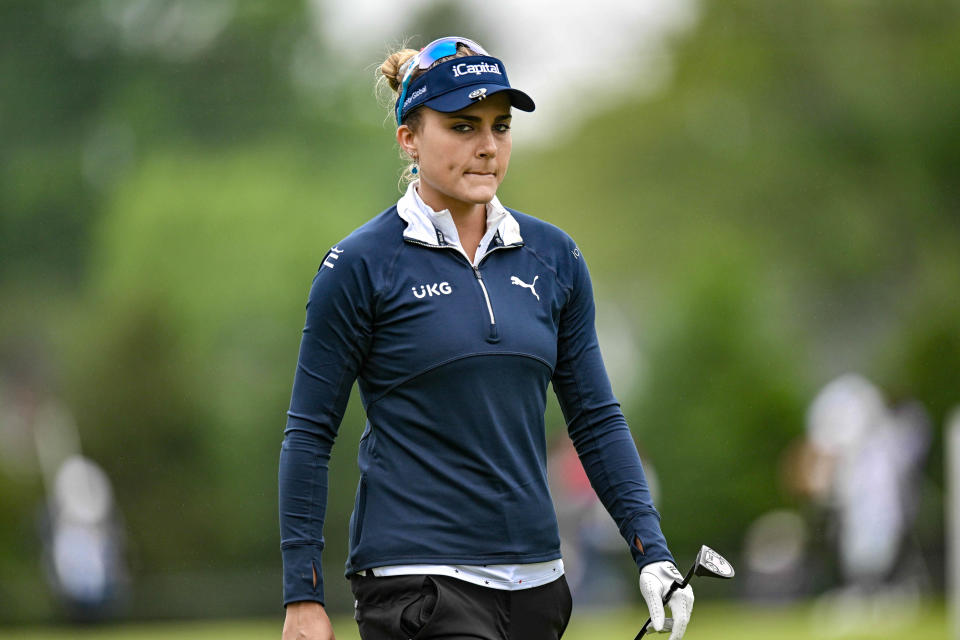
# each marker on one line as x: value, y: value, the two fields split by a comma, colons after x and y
x: 462, y: 156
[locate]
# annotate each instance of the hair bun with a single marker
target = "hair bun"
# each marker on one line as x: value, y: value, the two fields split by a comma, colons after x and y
x: 393, y: 65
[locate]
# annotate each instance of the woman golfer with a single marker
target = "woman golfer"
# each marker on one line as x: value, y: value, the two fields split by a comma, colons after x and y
x: 454, y: 313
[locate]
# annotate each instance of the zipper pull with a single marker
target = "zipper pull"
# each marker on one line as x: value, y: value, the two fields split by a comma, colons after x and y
x: 494, y: 333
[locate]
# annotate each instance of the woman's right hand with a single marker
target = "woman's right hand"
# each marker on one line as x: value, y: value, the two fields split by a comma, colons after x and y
x: 307, y: 621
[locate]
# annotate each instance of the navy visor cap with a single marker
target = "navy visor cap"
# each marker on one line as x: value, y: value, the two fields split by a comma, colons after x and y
x: 458, y: 83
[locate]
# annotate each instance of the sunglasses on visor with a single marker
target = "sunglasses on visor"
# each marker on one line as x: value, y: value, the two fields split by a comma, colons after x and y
x: 434, y: 51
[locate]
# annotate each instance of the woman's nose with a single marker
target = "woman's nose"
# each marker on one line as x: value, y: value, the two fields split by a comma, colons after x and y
x: 487, y: 146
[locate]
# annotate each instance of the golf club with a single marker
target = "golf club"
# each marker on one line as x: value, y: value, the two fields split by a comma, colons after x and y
x: 708, y: 563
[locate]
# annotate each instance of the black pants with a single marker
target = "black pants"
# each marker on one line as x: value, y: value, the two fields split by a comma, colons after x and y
x: 443, y: 608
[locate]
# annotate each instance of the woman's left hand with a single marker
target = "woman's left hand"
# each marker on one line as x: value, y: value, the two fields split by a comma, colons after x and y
x: 655, y: 580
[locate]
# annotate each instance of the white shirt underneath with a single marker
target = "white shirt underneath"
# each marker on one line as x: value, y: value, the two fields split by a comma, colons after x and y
x: 443, y: 222
x: 508, y: 577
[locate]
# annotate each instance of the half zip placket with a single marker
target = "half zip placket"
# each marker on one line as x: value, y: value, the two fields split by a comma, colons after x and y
x: 421, y: 225
x: 486, y: 296
x: 493, y: 335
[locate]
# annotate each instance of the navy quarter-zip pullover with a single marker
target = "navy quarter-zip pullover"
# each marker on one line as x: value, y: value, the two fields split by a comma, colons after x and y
x: 453, y: 362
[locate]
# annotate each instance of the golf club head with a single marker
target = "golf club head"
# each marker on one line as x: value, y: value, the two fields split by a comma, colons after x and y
x: 712, y: 564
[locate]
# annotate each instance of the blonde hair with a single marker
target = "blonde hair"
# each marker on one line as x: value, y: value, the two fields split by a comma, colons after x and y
x: 388, y: 79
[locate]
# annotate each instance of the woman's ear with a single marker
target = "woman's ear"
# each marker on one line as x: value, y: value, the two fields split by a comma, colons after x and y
x: 407, y: 140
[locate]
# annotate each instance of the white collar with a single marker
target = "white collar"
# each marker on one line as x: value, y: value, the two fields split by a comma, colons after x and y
x: 429, y: 226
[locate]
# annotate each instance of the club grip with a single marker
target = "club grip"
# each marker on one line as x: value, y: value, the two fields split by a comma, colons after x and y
x: 668, y: 622
x: 667, y: 628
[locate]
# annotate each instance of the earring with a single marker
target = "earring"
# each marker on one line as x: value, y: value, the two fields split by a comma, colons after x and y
x: 415, y: 169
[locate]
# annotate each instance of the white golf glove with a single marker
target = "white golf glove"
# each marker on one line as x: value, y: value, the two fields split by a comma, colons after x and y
x: 655, y: 580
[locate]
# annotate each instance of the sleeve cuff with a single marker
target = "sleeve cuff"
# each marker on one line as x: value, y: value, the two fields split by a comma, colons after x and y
x: 652, y: 546
x: 300, y: 565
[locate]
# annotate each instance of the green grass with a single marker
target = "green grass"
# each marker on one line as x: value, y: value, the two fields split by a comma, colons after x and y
x: 711, y: 621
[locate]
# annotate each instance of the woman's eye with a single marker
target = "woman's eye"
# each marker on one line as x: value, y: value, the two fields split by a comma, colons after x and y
x: 464, y: 127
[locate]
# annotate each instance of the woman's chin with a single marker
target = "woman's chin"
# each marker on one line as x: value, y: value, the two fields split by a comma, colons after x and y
x: 481, y: 194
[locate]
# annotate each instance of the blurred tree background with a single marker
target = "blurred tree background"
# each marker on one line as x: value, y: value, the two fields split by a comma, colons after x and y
x: 785, y: 209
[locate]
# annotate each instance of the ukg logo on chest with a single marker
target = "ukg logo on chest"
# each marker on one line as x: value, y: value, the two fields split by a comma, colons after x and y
x: 430, y: 290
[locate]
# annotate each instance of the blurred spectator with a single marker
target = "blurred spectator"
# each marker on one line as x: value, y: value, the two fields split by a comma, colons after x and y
x: 860, y: 465
x: 777, y: 568
x: 78, y: 523
x: 864, y: 465
x: 82, y: 541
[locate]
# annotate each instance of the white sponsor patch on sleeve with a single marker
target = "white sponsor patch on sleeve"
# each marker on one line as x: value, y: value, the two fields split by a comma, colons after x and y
x: 332, y: 257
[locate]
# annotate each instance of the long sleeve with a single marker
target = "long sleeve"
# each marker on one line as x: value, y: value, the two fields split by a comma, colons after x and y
x: 597, y: 426
x: 335, y: 339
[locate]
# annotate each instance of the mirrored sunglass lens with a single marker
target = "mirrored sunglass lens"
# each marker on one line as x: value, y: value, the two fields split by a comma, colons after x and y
x: 440, y: 50
x: 446, y: 47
